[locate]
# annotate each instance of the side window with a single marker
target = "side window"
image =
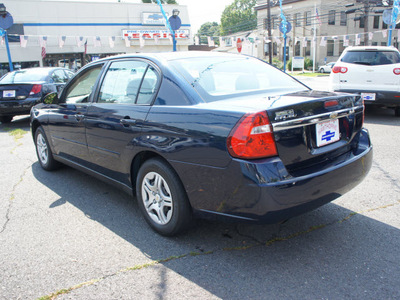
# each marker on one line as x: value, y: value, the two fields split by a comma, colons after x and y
x: 148, y: 87
x: 59, y: 76
x: 122, y: 82
x: 81, y: 89
x: 69, y: 74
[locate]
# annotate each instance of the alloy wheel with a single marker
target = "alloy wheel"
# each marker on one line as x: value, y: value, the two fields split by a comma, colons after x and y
x: 42, y: 149
x: 157, y: 198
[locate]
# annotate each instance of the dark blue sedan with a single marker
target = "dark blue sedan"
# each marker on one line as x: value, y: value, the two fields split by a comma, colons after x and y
x: 205, y: 134
x: 22, y: 89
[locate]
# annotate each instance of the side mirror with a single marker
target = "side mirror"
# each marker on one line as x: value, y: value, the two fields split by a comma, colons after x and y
x: 51, y: 98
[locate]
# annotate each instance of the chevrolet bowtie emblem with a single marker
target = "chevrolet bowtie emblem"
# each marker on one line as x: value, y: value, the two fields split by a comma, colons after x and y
x: 333, y: 115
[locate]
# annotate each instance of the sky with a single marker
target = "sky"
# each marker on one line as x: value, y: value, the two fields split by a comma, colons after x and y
x: 202, y: 11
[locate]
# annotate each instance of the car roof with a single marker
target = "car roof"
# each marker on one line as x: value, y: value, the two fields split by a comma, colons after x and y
x: 169, y: 56
x: 371, y: 48
x: 41, y: 69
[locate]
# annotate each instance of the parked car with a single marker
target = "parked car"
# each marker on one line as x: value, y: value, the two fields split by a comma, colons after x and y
x: 205, y: 134
x: 22, y: 89
x: 326, y: 68
x: 372, y: 72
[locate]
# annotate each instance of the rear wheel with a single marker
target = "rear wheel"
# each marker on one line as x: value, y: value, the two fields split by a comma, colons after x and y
x: 6, y: 119
x: 322, y: 70
x: 162, y: 198
x: 43, y: 151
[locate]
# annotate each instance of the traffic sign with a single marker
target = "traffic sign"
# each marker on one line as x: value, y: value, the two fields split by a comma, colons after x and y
x: 175, y: 22
x: 288, y: 27
x: 387, y: 16
x: 7, y: 21
x: 239, y: 45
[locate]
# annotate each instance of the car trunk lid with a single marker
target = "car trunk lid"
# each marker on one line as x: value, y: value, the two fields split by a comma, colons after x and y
x: 16, y: 91
x: 312, y: 129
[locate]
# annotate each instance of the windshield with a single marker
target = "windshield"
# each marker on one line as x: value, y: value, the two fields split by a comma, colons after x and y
x: 28, y: 75
x: 371, y: 58
x: 216, y: 77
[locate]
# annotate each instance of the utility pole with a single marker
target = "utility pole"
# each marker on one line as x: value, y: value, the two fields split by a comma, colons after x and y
x: 269, y: 31
x: 314, y: 41
x: 366, y: 23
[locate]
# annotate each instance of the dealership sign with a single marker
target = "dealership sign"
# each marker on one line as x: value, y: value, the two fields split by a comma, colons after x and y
x: 152, y: 34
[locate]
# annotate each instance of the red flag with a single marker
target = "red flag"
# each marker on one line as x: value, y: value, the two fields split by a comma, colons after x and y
x: 43, y: 52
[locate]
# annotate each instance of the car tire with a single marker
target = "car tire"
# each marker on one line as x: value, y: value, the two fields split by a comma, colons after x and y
x: 162, y: 198
x: 322, y: 70
x: 43, y: 151
x: 6, y: 119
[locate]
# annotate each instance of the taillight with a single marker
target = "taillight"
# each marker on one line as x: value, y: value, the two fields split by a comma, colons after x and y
x: 331, y: 103
x: 252, y: 137
x: 338, y: 69
x: 36, y: 88
x: 396, y: 71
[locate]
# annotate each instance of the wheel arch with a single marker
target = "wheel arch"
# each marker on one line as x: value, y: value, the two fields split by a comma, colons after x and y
x: 140, y: 159
x: 34, y: 126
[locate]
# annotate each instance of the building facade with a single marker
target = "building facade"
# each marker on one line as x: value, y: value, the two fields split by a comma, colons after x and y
x: 322, y: 28
x: 70, y: 34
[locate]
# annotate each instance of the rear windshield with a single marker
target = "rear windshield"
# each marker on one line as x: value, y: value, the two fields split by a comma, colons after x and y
x: 22, y: 76
x: 371, y: 58
x: 216, y: 77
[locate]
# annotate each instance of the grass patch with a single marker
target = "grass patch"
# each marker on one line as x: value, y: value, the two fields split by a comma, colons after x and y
x: 16, y: 133
x: 308, y: 74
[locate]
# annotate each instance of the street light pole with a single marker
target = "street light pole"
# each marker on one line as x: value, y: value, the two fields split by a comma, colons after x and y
x: 10, y: 63
x: 175, y: 23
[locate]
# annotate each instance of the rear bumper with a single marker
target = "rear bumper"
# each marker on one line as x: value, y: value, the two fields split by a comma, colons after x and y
x: 17, y: 107
x: 264, y: 192
x: 383, y: 98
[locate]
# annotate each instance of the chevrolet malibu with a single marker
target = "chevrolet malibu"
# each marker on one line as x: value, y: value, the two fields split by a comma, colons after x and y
x: 205, y: 134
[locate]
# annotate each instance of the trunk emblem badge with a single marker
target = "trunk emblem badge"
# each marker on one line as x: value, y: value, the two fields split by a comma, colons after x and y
x: 333, y: 115
x: 285, y: 114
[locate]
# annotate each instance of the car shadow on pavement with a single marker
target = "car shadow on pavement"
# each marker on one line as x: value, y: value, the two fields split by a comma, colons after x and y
x: 330, y: 252
x: 382, y: 116
x: 20, y: 122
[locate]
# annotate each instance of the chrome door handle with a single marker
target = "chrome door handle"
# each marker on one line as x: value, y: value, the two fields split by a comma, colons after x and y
x: 79, y: 117
x: 127, y: 122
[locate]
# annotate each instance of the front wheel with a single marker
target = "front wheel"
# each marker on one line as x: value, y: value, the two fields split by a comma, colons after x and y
x: 43, y: 151
x: 162, y: 198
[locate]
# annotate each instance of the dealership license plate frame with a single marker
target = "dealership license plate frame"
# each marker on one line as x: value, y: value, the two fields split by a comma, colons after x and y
x: 9, y: 94
x: 368, y: 96
x: 327, y: 132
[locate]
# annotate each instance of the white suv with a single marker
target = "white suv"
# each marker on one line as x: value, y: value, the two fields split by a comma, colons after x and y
x: 372, y: 72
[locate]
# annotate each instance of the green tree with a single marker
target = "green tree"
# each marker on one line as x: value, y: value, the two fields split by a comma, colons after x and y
x: 208, y: 29
x: 162, y: 1
x: 239, y: 16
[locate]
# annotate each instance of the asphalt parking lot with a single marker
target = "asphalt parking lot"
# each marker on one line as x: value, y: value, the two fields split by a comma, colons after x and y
x: 66, y: 235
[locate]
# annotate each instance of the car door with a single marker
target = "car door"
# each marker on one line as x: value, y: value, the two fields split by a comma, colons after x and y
x: 67, y: 118
x: 115, y: 118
